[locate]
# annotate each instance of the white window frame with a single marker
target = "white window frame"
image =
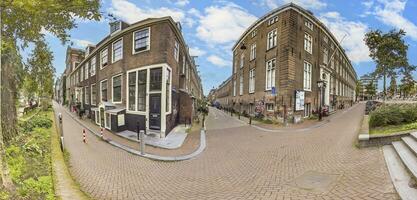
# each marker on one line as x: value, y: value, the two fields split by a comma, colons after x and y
x: 307, y: 76
x: 272, y: 20
x: 253, y: 51
x: 308, y: 24
x: 253, y: 34
x: 308, y: 43
x: 112, y: 88
x: 86, y: 69
x: 86, y: 92
x: 106, y: 124
x: 148, y: 42
x: 93, y: 67
x: 270, y: 74
x: 241, y: 84
x: 252, y: 81
x: 267, y: 108
x: 91, y: 93
x: 103, y: 64
x: 113, y: 59
x: 242, y: 60
x: 177, y: 51
x: 82, y: 69
x: 101, y: 91
x: 271, y: 39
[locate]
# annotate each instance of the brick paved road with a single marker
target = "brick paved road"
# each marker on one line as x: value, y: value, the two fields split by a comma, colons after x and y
x: 239, y: 162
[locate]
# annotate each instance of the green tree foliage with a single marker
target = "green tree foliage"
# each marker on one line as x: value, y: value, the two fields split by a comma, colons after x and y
x: 407, y: 82
x: 370, y: 89
x: 358, y: 89
x: 26, y: 22
x: 389, y: 51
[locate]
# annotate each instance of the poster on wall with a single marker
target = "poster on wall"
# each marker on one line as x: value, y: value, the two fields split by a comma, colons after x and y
x: 299, y: 100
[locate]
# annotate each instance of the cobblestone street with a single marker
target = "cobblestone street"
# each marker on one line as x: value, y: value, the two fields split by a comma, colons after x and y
x: 239, y: 162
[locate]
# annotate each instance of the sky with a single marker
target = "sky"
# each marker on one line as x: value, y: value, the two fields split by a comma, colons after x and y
x: 211, y: 28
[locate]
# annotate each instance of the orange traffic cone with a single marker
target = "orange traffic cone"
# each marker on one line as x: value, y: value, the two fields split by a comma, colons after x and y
x: 84, y: 137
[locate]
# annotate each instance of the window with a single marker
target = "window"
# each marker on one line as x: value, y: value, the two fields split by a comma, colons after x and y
x: 254, y: 33
x: 183, y: 65
x: 309, y: 24
x: 82, y: 73
x: 272, y: 20
x: 155, y: 79
x: 86, y: 93
x: 168, y: 90
x: 235, y: 66
x: 272, y: 39
x: 252, y: 51
x: 117, y: 50
x: 103, y: 58
x: 141, y: 40
x: 103, y: 89
x: 234, y: 87
x: 325, y: 56
x: 117, y: 89
x: 115, y: 27
x: 131, y: 90
x: 142, y: 76
x: 242, y: 59
x: 307, y: 76
x: 177, y: 51
x: 93, y: 94
x: 241, y: 84
x: 252, y: 81
x: 86, y: 66
x: 270, y: 107
x: 93, y: 66
x: 325, y: 39
x: 308, y: 43
x: 270, y: 74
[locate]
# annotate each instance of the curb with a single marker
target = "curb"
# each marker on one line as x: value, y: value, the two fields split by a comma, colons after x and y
x: 200, y: 149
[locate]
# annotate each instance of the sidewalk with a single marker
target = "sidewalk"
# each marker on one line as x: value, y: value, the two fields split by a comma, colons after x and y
x: 193, y: 144
x: 306, y: 125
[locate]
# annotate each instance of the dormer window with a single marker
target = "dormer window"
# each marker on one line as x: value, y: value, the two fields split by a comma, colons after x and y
x: 115, y: 27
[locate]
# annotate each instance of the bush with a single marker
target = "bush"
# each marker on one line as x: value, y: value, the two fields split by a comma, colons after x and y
x: 393, y: 114
x: 40, y: 121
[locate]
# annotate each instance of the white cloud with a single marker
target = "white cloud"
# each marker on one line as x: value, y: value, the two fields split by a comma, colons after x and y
x: 353, y: 44
x: 196, y: 51
x: 131, y: 13
x: 182, y: 2
x: 390, y: 12
x: 223, y: 24
x: 220, y: 62
x: 309, y: 4
x: 81, y: 43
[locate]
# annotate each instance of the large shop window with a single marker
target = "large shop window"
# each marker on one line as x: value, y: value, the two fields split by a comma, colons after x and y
x: 103, y: 87
x: 155, y: 79
x: 117, y: 89
x: 141, y: 40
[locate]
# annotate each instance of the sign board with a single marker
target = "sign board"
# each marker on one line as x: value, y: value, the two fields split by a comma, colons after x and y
x: 121, y: 120
x: 273, y: 91
x: 299, y: 100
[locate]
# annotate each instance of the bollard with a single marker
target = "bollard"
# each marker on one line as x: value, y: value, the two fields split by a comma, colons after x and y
x: 101, y: 133
x: 238, y: 115
x: 62, y: 143
x: 202, y: 123
x: 84, y: 137
x: 250, y: 120
x: 142, y: 142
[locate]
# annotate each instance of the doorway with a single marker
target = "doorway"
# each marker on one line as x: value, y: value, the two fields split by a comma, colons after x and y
x: 155, y: 111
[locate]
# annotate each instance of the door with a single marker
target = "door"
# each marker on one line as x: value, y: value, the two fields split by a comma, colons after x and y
x: 155, y: 111
x: 102, y: 116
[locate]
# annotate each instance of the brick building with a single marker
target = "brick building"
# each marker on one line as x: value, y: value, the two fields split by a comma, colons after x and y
x: 140, y: 75
x: 278, y: 61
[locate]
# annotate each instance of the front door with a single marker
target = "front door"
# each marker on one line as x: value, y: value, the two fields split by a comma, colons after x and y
x: 155, y: 111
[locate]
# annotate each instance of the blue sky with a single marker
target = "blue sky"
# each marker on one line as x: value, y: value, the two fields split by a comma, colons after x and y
x: 211, y: 28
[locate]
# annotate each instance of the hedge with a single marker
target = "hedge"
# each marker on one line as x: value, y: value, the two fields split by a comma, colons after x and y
x: 393, y: 114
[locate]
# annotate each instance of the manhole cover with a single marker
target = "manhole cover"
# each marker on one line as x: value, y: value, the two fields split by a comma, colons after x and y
x: 315, y: 181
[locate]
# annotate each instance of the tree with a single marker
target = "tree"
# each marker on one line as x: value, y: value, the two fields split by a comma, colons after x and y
x: 370, y: 89
x: 392, y: 89
x: 389, y: 51
x: 407, y: 82
x: 26, y: 21
x: 359, y: 89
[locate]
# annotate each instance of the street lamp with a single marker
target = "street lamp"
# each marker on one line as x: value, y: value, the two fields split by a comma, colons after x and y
x: 320, y: 85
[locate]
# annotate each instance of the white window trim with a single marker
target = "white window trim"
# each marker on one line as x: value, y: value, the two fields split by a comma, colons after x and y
x: 309, y: 48
x: 308, y: 24
x: 177, y: 51
x: 308, y: 86
x: 269, y: 110
x: 266, y: 75
x: 101, y: 54
x: 253, y: 51
x: 121, y: 85
x: 274, y: 39
x: 86, y: 95
x: 106, y: 124
x: 242, y: 60
x: 241, y: 84
x: 93, y: 69
x: 97, y: 117
x: 112, y: 53
x: 252, y: 81
x: 101, y: 98
x: 133, y: 41
x: 91, y: 93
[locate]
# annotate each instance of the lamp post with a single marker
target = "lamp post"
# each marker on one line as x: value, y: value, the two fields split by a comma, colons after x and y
x: 320, y: 85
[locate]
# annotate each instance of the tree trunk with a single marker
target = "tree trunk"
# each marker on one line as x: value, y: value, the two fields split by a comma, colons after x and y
x: 8, y: 107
